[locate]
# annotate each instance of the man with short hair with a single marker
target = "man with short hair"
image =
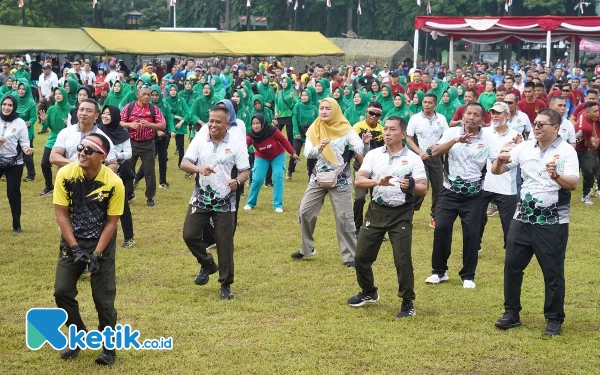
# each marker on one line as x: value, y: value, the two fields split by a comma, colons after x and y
x: 540, y: 224
x: 367, y: 79
x: 88, y: 201
x: 5, y: 74
x: 212, y: 159
x: 529, y: 104
x: 565, y: 91
x: 470, y: 97
x: 395, y: 175
x: 468, y: 149
x: 416, y: 85
x: 587, y: 130
x: 458, y: 79
x: 428, y: 127
x: 576, y: 94
x: 566, y: 130
x: 540, y: 92
x: 500, y: 94
x: 510, y: 89
x: 498, y: 77
x: 519, y: 84
x: 113, y: 75
x: 143, y: 119
x: 516, y: 119
x: 384, y: 75
x: 591, y: 97
x: 87, y: 75
x: 394, y: 83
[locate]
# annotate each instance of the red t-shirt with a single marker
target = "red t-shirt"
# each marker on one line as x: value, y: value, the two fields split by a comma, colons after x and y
x: 139, y: 113
x: 514, y: 91
x: 457, y: 81
x: 335, y: 85
x: 577, y: 96
x: 580, y: 108
x: 458, y: 115
x: 585, y: 126
x: 397, y: 88
x: 414, y: 87
x: 271, y: 147
x: 480, y: 88
x: 597, y: 70
x: 531, y: 109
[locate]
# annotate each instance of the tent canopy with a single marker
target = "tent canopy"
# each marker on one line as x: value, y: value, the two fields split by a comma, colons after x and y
x: 486, y: 30
x: 17, y: 39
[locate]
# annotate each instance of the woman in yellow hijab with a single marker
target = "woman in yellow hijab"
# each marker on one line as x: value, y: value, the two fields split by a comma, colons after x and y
x: 327, y: 142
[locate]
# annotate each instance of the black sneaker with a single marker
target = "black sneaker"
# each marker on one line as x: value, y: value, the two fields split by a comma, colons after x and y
x: 131, y: 197
x: 45, y: 192
x: 17, y: 230
x: 226, y: 292
x: 43, y: 131
x: 407, y: 309
x: 67, y: 353
x: 553, y: 328
x: 128, y: 243
x: 299, y: 255
x: 135, y: 184
x: 507, y: 321
x: 150, y: 203
x: 106, y: 358
x: 29, y: 179
x: 203, y: 275
x: 362, y: 298
x: 349, y: 264
x: 269, y: 184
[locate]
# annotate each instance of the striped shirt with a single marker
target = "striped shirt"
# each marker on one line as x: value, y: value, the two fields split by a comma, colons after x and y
x: 143, y: 133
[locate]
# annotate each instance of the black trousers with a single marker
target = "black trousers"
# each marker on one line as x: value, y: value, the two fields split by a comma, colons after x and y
x: 47, y: 169
x: 588, y: 163
x: 103, y: 284
x: 127, y: 221
x: 28, y: 160
x: 162, y: 147
x: 396, y: 221
x: 435, y: 175
x: 450, y: 206
x: 507, y: 205
x: 145, y: 151
x: 297, y: 144
x: 195, y: 221
x: 13, y: 191
x: 287, y: 123
x: 549, y: 244
x: 179, y: 139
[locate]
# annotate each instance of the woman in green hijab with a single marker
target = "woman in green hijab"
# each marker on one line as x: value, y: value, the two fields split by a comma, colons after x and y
x: 116, y: 95
x: 162, y: 137
x: 285, y: 100
x: 375, y: 91
x: 198, y: 114
x: 226, y: 73
x: 446, y: 107
x: 460, y: 89
x: 386, y: 100
x: 356, y: 112
x: 187, y: 94
x: 400, y: 109
x: 179, y: 110
x: 402, y: 81
x: 54, y: 119
x: 348, y: 95
x: 27, y: 112
x: 71, y: 86
x: 218, y: 87
x: 313, y: 96
x: 22, y: 73
x: 304, y: 113
x: 238, y: 96
x: 7, y: 89
x: 415, y: 106
x: 267, y: 93
x: 338, y: 95
x: 436, y: 89
x: 453, y: 92
x: 259, y: 107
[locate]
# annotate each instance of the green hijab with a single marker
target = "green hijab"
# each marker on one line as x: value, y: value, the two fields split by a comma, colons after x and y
x: 25, y: 103
x: 242, y: 111
x: 173, y: 102
x: 402, y: 111
x: 203, y: 104
x: 416, y: 108
x: 461, y: 98
x: 348, y: 98
x: 218, y: 88
x: 326, y: 90
x: 402, y: 81
x: 267, y: 92
x: 73, y: 88
x: 248, y: 90
x: 226, y: 73
x: 437, y: 91
x: 341, y: 101
x: 59, y: 111
x: 304, y: 113
x: 7, y: 88
x: 188, y: 95
x: 386, y: 102
x: 313, y: 96
x: 115, y: 98
x: 446, y: 109
x: 453, y: 92
x: 354, y: 112
x: 283, y: 100
x: 266, y: 112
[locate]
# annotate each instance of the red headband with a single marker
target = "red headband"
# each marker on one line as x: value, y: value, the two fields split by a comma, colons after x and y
x: 98, y: 145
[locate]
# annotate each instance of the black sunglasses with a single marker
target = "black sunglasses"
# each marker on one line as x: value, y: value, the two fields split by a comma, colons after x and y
x: 566, y: 90
x: 371, y: 113
x: 509, y: 103
x: 88, y: 150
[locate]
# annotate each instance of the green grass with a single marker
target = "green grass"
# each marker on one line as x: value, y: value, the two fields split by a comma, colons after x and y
x: 290, y: 316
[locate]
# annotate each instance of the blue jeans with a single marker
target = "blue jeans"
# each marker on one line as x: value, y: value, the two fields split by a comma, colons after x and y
x: 261, y: 166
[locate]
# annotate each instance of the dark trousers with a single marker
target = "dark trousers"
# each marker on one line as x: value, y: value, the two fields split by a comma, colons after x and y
x: 396, y: 221
x: 435, y: 175
x: 145, y: 151
x: 449, y: 206
x: 43, y: 106
x: 549, y: 244
x: 360, y: 197
x: 507, y: 205
x: 297, y: 144
x: 179, y: 139
x: 588, y: 163
x: 47, y: 169
x: 195, y: 221
x: 162, y: 147
x: 127, y: 221
x: 28, y: 160
x: 287, y: 123
x: 13, y: 191
x: 103, y: 283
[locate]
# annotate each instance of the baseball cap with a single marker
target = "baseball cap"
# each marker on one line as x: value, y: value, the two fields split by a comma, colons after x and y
x: 241, y: 67
x: 394, y: 73
x: 46, y: 66
x: 500, y: 107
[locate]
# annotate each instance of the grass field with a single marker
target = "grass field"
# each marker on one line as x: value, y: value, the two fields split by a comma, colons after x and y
x: 291, y: 317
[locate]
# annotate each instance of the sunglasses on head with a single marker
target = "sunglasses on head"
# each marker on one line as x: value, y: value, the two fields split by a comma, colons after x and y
x: 88, y: 150
x: 509, y: 102
x: 376, y: 114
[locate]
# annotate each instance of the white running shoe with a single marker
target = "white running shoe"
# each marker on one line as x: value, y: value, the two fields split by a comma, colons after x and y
x: 279, y: 210
x: 587, y: 200
x: 436, y: 279
x: 246, y: 208
x: 468, y: 284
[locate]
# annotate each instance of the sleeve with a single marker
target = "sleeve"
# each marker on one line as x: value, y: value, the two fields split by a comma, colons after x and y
x: 24, y: 136
x: 60, y: 140
x: 126, y: 153
x: 124, y: 111
x: 571, y: 133
x: 192, y: 117
x: 193, y: 151
x: 410, y: 128
x: 571, y: 164
x: 418, y: 171
x: 160, y: 118
x: 444, y: 122
x: 284, y: 142
x: 447, y: 136
x: 367, y: 164
x: 356, y: 143
x: 527, y: 127
x: 356, y: 128
x: 117, y: 201
x: 515, y: 156
x: 457, y: 114
x: 32, y: 115
x: 248, y: 140
x: 112, y: 154
x: 310, y: 151
x: 242, y: 161
x: 59, y: 196
x: 295, y: 125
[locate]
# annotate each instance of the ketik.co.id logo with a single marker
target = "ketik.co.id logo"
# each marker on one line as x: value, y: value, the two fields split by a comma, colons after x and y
x: 43, y: 325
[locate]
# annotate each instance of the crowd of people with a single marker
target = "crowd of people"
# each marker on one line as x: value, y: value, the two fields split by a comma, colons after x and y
x: 485, y: 139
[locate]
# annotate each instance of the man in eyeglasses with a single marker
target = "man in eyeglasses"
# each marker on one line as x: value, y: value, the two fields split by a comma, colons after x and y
x: 565, y: 90
x: 428, y: 127
x: 88, y: 201
x: 370, y: 124
x: 516, y: 119
x: 65, y: 152
x: 591, y: 97
x: 540, y: 225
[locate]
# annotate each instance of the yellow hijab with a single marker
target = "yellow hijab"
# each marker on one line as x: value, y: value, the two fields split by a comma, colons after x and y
x: 333, y: 129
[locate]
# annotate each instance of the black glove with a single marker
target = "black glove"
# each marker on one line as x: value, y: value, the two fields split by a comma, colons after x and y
x: 93, y: 265
x: 411, y: 185
x: 78, y: 255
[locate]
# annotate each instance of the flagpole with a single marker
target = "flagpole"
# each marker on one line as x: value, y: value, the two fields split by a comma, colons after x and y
x: 295, y: 17
x: 23, y: 15
x: 174, y: 15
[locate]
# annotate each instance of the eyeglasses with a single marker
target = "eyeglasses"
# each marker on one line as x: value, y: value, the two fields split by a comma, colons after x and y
x: 375, y: 114
x: 566, y: 90
x: 537, y: 124
x: 509, y: 102
x: 88, y: 150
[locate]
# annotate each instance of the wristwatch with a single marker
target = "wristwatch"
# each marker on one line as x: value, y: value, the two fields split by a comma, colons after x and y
x: 97, y: 254
x: 555, y: 177
x: 238, y: 182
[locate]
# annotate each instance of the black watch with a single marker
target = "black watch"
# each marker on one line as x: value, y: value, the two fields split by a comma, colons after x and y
x: 238, y: 182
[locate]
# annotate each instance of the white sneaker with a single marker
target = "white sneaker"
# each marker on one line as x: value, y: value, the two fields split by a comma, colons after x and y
x: 279, y: 210
x: 587, y: 200
x: 436, y: 279
x: 246, y: 208
x: 597, y: 193
x: 468, y: 284
x: 480, y: 251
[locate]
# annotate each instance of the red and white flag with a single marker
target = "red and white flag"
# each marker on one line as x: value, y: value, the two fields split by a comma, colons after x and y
x: 173, y: 2
x: 248, y: 3
x: 296, y: 5
x: 581, y: 6
x: 328, y: 3
x: 419, y: 2
x: 94, y: 3
x: 21, y: 4
x: 507, y: 5
x: 428, y: 7
x: 359, y: 10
